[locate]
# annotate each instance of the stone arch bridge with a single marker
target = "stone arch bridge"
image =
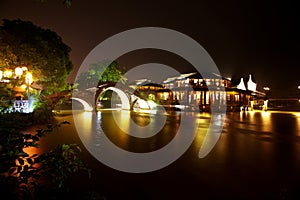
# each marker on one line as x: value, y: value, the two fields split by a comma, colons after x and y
x: 90, y: 96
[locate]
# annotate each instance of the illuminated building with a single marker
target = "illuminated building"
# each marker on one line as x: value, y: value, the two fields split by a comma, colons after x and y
x: 194, y: 91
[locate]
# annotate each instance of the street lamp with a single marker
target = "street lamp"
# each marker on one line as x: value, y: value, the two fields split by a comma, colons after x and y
x: 9, y: 74
x: 18, y: 72
x: 28, y: 82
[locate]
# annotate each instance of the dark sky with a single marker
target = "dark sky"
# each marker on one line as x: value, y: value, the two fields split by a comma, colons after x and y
x: 242, y: 37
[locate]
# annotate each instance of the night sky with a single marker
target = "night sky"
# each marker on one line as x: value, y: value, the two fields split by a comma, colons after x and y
x: 242, y: 37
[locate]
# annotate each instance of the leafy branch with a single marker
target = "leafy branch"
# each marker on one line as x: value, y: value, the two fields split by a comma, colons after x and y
x: 23, y: 175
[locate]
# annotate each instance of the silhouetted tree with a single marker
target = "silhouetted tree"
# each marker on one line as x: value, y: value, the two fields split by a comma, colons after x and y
x: 104, y: 71
x: 24, y: 44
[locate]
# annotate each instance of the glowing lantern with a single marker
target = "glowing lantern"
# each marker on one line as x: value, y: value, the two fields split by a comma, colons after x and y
x: 29, y: 78
x: 8, y: 73
x: 18, y: 71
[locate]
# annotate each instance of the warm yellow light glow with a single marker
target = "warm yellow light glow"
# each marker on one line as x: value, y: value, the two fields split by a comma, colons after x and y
x: 23, y: 86
x: 24, y: 68
x: 265, y: 106
x: 299, y: 87
x: 124, y: 119
x: 297, y: 114
x: 84, y: 121
x: 142, y: 104
x: 1, y: 74
x: 18, y: 71
x: 152, y: 104
x: 266, y: 115
x: 266, y: 88
x: 8, y: 73
x: 29, y: 78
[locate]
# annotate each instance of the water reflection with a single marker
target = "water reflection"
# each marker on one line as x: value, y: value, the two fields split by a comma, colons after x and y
x: 265, y: 126
x: 140, y: 125
x: 257, y: 150
x: 133, y: 151
x: 213, y: 133
x: 254, y: 147
x: 86, y: 125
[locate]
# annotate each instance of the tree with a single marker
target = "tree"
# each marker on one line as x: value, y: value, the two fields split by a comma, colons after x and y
x: 42, y: 51
x: 104, y: 71
x: 25, y: 176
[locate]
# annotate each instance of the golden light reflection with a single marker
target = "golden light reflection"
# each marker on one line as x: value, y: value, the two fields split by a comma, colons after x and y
x: 297, y: 115
x: 251, y: 115
x: 265, y: 115
x: 202, y: 128
x: 266, y: 121
x: 202, y: 122
x: 87, y: 120
x: 83, y: 121
x: 125, y: 124
x: 124, y: 120
x: 213, y: 134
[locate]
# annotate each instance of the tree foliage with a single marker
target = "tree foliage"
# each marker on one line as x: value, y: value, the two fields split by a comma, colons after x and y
x: 42, y: 51
x: 104, y: 71
x: 25, y: 176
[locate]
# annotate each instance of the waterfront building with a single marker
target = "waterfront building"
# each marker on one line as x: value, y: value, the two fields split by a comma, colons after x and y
x: 192, y: 91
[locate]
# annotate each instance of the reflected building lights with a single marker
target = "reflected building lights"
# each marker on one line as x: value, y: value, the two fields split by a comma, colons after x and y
x: 83, y: 121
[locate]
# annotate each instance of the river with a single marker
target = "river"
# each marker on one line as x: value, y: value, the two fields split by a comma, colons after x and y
x: 257, y: 156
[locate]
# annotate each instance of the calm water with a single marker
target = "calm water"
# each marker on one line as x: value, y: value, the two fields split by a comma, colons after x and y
x: 256, y: 157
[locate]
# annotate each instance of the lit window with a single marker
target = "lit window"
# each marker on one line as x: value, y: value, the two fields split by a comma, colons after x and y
x: 236, y: 98
x: 207, y: 98
x: 228, y: 97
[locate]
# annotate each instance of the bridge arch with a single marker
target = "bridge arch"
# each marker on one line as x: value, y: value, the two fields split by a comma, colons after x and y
x: 86, y: 105
x: 122, y: 95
